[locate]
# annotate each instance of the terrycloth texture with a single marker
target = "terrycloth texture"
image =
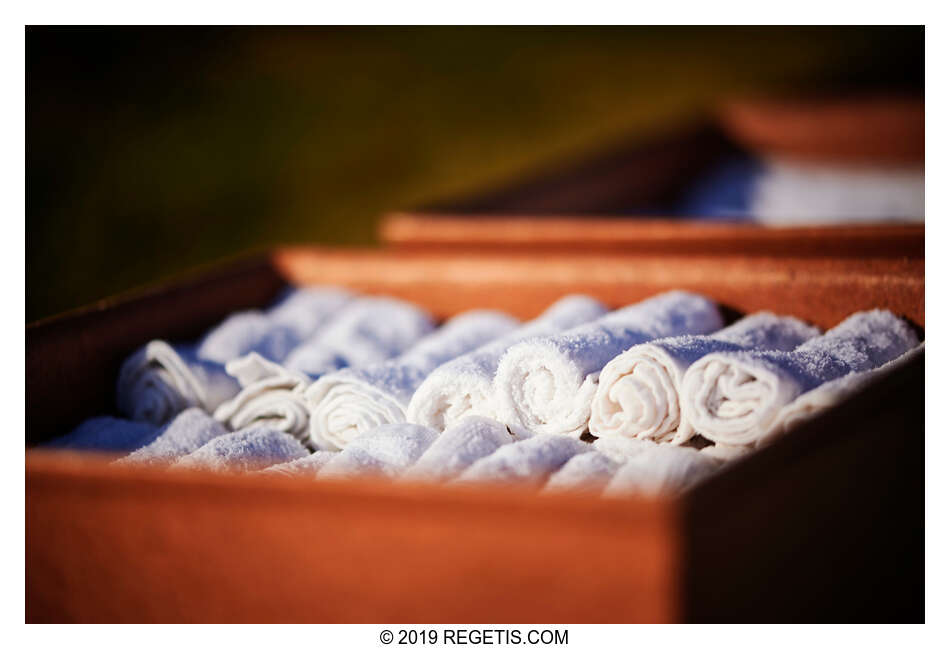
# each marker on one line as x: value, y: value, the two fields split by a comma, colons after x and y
x: 814, y: 402
x: 246, y: 450
x: 386, y: 451
x: 661, y: 468
x: 305, y: 466
x: 620, y: 449
x: 271, y: 395
x: 107, y: 434
x: 369, y: 330
x: 296, y: 316
x: 734, y: 397
x: 159, y: 381
x: 528, y: 462
x: 352, y: 401
x: 189, y: 431
x: 585, y: 472
x: 638, y: 394
x: 463, y: 443
x: 463, y: 386
x: 545, y: 385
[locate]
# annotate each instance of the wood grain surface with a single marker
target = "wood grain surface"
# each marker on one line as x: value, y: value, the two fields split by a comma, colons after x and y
x: 107, y: 544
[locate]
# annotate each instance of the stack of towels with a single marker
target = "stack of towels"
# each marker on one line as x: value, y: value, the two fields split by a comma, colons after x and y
x: 649, y: 398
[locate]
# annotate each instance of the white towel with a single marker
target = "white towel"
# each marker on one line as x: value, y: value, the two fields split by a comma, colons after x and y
x: 545, y: 385
x: 296, y: 316
x: 638, y: 394
x: 304, y: 466
x: 352, y: 401
x: 814, y: 402
x: 585, y: 472
x: 107, y: 434
x: 733, y: 398
x: 369, y: 330
x: 528, y: 462
x: 271, y: 395
x: 187, y: 432
x: 463, y: 443
x: 620, y: 449
x: 661, y: 468
x: 159, y: 381
x: 246, y: 450
x: 386, y: 451
x: 463, y: 386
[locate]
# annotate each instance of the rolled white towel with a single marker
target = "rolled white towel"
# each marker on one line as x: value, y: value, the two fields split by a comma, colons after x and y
x: 368, y: 330
x: 246, y: 450
x: 271, y: 395
x: 638, y: 394
x: 187, y: 432
x: 304, y: 466
x: 106, y: 434
x: 661, y: 468
x: 528, y: 462
x: 352, y: 401
x: 734, y: 398
x: 545, y: 385
x: 462, y: 444
x: 297, y: 315
x: 463, y: 386
x: 814, y: 402
x: 585, y: 472
x: 159, y: 381
x: 386, y: 451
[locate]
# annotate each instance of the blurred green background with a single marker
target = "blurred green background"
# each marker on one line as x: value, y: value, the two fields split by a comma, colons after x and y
x: 152, y: 150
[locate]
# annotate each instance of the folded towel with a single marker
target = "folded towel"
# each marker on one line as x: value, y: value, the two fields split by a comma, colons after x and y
x: 246, y: 450
x: 107, y: 434
x: 348, y: 402
x: 296, y: 316
x: 271, y: 395
x: 187, y: 432
x: 814, y: 402
x: 661, y: 468
x: 529, y: 461
x: 638, y: 394
x: 545, y: 385
x: 466, y: 441
x: 734, y: 397
x: 585, y: 472
x: 159, y: 381
x: 463, y: 386
x: 369, y: 330
x: 304, y: 466
x: 386, y: 451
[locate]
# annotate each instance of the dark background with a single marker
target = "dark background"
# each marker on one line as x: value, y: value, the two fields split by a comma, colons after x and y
x: 152, y: 150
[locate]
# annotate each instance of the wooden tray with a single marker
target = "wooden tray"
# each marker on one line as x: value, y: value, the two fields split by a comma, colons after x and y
x: 421, y: 230
x: 826, y: 524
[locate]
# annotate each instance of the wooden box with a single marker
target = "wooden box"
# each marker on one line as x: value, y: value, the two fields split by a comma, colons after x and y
x: 824, y: 525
